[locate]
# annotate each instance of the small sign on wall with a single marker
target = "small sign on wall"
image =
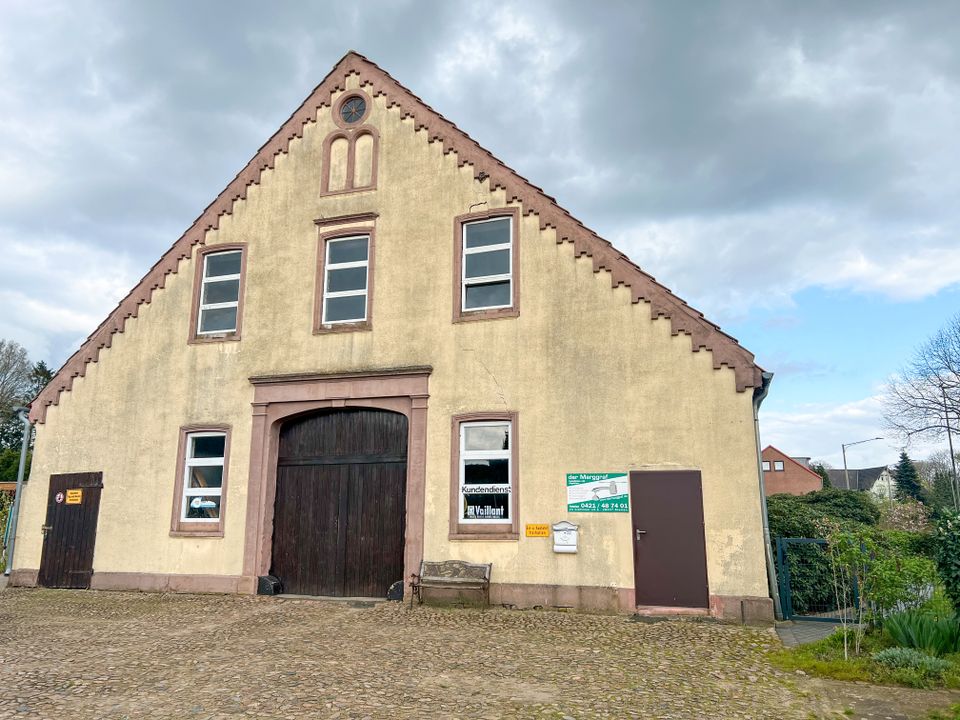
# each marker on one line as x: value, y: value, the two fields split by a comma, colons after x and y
x: 74, y: 496
x: 598, y: 492
x: 538, y: 530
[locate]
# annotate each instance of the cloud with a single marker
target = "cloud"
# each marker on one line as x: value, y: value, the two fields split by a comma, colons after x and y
x: 818, y: 430
x: 739, y: 152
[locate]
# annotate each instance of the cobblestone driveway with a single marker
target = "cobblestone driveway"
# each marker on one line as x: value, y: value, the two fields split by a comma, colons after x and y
x: 82, y: 654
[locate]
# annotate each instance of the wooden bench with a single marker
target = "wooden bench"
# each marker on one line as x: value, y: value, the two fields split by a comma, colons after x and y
x: 451, y: 574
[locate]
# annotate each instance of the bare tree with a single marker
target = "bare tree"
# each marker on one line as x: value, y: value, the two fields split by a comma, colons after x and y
x: 15, y: 368
x: 923, y: 399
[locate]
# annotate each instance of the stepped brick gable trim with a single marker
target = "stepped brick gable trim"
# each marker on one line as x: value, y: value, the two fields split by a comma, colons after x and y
x: 376, y: 82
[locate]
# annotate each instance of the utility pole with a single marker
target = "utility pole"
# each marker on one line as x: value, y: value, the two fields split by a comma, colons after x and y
x: 843, y: 448
x: 953, y: 460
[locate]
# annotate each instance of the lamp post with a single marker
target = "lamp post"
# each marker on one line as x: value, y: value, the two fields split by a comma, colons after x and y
x: 843, y: 449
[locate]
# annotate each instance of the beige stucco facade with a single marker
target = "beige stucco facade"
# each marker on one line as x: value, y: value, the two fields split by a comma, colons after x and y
x: 597, y: 384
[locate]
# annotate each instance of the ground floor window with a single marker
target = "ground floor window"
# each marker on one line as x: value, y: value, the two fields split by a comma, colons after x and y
x: 484, y: 483
x: 201, y: 478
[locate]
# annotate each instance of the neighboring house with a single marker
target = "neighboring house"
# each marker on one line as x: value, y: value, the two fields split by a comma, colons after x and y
x: 877, y: 480
x: 785, y: 474
x: 380, y: 345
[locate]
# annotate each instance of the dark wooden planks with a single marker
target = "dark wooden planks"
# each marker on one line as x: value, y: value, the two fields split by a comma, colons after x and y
x: 669, y: 557
x: 341, y: 503
x: 70, y: 538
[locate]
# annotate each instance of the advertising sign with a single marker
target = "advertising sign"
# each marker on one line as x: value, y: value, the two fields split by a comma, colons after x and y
x: 598, y: 492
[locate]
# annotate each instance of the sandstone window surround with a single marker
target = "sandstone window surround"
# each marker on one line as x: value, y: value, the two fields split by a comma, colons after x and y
x: 486, y: 265
x: 199, y: 497
x: 343, y: 294
x: 484, y: 457
x: 218, y: 289
x: 350, y: 153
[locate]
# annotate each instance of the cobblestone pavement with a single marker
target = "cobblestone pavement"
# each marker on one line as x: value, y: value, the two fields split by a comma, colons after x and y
x: 83, y: 654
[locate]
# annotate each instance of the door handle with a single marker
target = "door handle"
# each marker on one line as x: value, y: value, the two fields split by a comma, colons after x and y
x: 640, y: 532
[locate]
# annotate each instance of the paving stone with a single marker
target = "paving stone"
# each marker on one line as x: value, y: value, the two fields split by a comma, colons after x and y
x: 80, y: 654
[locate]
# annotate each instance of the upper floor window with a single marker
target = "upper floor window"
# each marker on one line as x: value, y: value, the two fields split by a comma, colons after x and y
x: 218, y: 294
x: 345, y: 282
x: 778, y: 465
x: 486, y: 265
x: 766, y: 466
x: 350, y: 152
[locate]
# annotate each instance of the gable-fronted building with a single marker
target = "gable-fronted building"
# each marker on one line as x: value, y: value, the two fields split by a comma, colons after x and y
x: 380, y: 345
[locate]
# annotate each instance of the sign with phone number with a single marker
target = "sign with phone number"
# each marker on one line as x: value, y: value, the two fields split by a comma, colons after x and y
x: 598, y: 492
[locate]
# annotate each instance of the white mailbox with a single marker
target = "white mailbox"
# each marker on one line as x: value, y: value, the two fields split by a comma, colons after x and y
x: 565, y: 537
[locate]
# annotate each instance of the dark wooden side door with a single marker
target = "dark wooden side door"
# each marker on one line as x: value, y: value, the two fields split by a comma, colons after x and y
x: 669, y: 548
x: 70, y: 530
x: 339, y: 516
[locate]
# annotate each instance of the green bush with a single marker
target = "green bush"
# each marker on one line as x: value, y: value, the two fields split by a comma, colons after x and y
x: 848, y: 505
x: 910, y: 659
x: 910, y: 543
x: 948, y: 554
x: 922, y: 631
x: 9, y: 464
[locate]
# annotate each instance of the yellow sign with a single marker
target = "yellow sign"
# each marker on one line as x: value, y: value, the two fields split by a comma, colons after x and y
x: 538, y: 530
x: 75, y: 496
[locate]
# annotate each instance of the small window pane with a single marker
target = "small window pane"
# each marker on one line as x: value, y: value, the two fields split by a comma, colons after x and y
x: 203, y: 507
x: 487, y: 295
x: 218, y: 320
x: 345, y: 308
x: 342, y: 251
x: 494, y: 232
x: 766, y: 465
x: 221, y: 291
x: 208, y: 446
x: 349, y: 279
x: 495, y: 262
x: 206, y: 476
x: 486, y: 437
x: 227, y: 263
x: 778, y: 465
x: 486, y: 507
x: 486, y: 472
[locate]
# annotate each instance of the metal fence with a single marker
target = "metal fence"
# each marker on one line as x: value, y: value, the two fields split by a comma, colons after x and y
x: 809, y: 583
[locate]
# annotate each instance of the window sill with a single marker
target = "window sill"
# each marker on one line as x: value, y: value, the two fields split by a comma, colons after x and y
x: 197, y: 533
x: 205, y: 339
x: 468, y: 315
x: 497, y: 536
x: 365, y: 326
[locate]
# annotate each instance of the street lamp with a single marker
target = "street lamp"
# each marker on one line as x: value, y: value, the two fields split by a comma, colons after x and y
x: 843, y: 448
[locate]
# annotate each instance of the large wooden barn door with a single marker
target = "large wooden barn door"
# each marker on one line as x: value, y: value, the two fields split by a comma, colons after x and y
x: 669, y: 548
x: 70, y: 532
x: 338, y: 525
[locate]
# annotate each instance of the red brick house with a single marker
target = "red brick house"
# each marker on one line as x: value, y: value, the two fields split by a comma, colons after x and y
x: 783, y: 474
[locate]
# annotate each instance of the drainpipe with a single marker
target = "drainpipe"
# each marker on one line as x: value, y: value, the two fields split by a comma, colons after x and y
x: 23, y: 413
x: 759, y: 394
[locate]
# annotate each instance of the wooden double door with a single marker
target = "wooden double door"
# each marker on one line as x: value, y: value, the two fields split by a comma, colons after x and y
x: 340, y: 507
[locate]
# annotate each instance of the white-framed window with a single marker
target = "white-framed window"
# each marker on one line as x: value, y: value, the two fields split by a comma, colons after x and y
x: 766, y: 466
x: 345, y: 279
x: 778, y: 465
x: 219, y: 293
x: 487, y: 267
x: 203, y: 477
x: 486, y: 475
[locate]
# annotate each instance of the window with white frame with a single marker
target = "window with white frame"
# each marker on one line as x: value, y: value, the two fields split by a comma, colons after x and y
x: 203, y: 476
x: 219, y: 293
x: 487, y: 267
x: 486, y: 475
x: 345, y: 282
x: 778, y: 465
x: 766, y: 466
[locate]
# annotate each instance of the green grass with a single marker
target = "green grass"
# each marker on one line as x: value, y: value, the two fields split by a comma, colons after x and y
x: 824, y: 658
x: 951, y: 713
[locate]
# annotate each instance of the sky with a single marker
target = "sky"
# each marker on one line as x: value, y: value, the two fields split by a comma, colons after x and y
x: 789, y: 169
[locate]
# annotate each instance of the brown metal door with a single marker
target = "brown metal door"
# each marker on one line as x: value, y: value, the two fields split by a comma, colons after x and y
x: 70, y: 531
x: 340, y: 507
x: 669, y: 549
